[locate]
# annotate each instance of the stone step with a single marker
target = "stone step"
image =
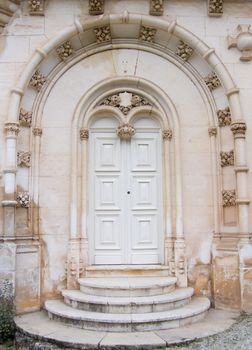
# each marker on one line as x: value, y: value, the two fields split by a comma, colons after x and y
x: 127, y: 271
x: 190, y: 313
x: 127, y: 286
x: 79, y: 300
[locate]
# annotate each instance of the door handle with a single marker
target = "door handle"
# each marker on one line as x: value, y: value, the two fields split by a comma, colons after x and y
x: 128, y: 192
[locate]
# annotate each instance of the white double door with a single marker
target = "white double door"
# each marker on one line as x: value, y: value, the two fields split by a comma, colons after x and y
x: 125, y: 197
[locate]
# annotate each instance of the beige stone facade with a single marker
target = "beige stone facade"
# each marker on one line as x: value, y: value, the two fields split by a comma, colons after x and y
x: 185, y: 65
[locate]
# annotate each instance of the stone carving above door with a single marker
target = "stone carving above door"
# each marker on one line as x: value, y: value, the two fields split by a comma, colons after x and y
x: 125, y: 101
x: 125, y: 131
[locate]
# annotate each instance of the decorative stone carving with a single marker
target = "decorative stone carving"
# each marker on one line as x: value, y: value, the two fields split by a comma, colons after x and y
x: 181, y: 265
x: 73, y: 266
x: 12, y: 128
x: 102, y: 34
x: 212, y: 131
x: 65, y: 50
x: 125, y: 131
x: 227, y: 158
x: 84, y: 134
x: 184, y: 51
x: 37, y: 80
x: 37, y: 131
x: 36, y: 7
x: 242, y: 40
x: 147, y: 34
x: 125, y: 101
x: 215, y: 8
x: 167, y: 134
x: 156, y: 7
x: 25, y: 118
x: 96, y: 7
x: 212, y: 81
x: 23, y: 199
x: 239, y: 128
x: 228, y: 198
x: 24, y: 159
x: 224, y: 117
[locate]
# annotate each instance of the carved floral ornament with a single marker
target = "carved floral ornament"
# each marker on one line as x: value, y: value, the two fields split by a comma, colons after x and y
x: 125, y: 131
x: 96, y: 7
x: 24, y: 159
x: 65, y: 50
x: 224, y: 117
x: 227, y: 158
x: 212, y: 81
x: 102, y: 34
x: 23, y: 199
x: 37, y: 80
x: 228, y: 198
x: 156, y: 7
x: 184, y: 51
x: 25, y: 118
x: 215, y: 8
x: 147, y: 34
x: 36, y: 7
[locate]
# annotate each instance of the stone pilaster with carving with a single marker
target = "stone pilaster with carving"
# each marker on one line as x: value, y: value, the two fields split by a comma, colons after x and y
x: 73, y: 264
x: 212, y: 81
x: 167, y: 134
x: 184, y: 51
x: 23, y: 200
x: 24, y: 159
x: 169, y: 255
x: 180, y: 262
x: 96, y: 7
x: 224, y: 117
x: 36, y: 7
x: 227, y: 158
x: 228, y: 198
x: 84, y: 134
x: 25, y: 118
x: 65, y: 50
x: 212, y: 131
x: 147, y: 34
x: 215, y: 8
x: 37, y: 131
x: 156, y: 7
x: 102, y: 34
x: 37, y: 80
x: 239, y: 128
x: 125, y: 131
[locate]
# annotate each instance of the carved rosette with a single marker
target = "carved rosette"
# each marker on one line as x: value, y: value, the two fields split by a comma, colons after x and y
x: 184, y: 51
x: 12, y: 128
x: 167, y: 134
x: 156, y: 7
x: 37, y: 131
x: 224, y: 117
x: 227, y: 158
x: 96, y: 7
x: 23, y: 199
x: 102, y: 34
x: 147, y: 34
x: 125, y: 131
x: 215, y: 8
x: 36, y: 7
x: 239, y: 128
x: 65, y: 50
x: 228, y: 198
x: 212, y: 131
x: 212, y: 81
x: 84, y: 134
x: 24, y: 159
x: 37, y: 80
x: 25, y: 118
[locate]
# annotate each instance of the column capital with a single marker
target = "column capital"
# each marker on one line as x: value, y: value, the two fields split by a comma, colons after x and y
x: 12, y: 128
x: 239, y: 128
x: 84, y: 134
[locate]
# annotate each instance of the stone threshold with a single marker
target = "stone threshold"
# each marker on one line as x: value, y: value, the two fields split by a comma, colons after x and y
x: 38, y: 327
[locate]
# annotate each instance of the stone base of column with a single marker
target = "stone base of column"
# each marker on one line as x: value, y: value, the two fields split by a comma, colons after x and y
x: 180, y: 263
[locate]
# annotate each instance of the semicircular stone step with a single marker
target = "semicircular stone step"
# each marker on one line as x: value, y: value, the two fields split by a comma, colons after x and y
x: 155, y: 303
x: 127, y: 286
x: 190, y: 313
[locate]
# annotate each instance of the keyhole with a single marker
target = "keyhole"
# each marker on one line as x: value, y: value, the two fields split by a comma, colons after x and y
x: 128, y: 192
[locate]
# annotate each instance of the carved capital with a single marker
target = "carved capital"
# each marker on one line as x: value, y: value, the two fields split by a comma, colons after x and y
x: 212, y: 131
x: 24, y: 159
x: 184, y: 51
x: 125, y: 131
x: 167, y: 134
x: 37, y: 131
x: 239, y: 128
x: 23, y: 199
x: 228, y: 198
x: 37, y: 80
x: 227, y: 158
x: 96, y: 7
x: 147, y: 34
x: 36, y: 7
x: 156, y: 7
x: 212, y: 81
x: 102, y: 34
x: 84, y: 134
x: 65, y: 50
x: 215, y: 8
x: 224, y: 117
x: 12, y: 128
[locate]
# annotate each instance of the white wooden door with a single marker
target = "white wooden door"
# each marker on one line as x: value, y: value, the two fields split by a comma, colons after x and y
x: 125, y: 195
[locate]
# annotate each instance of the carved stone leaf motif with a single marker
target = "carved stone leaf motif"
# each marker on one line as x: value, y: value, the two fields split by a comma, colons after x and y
x: 102, y: 34
x: 25, y: 118
x: 167, y: 134
x: 37, y: 131
x: 65, y: 50
x: 156, y: 7
x: 212, y: 81
x: 24, y: 159
x: 227, y: 158
x: 125, y: 131
x: 37, y: 80
x: 239, y: 128
x: 23, y: 199
x: 212, y: 131
x: 96, y: 7
x: 36, y: 7
x: 84, y: 134
x: 12, y: 128
x: 224, y: 117
x: 215, y: 7
x: 184, y: 51
x: 147, y: 34
x: 228, y: 198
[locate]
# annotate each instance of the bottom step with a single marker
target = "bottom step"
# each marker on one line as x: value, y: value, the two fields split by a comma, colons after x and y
x: 190, y: 313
